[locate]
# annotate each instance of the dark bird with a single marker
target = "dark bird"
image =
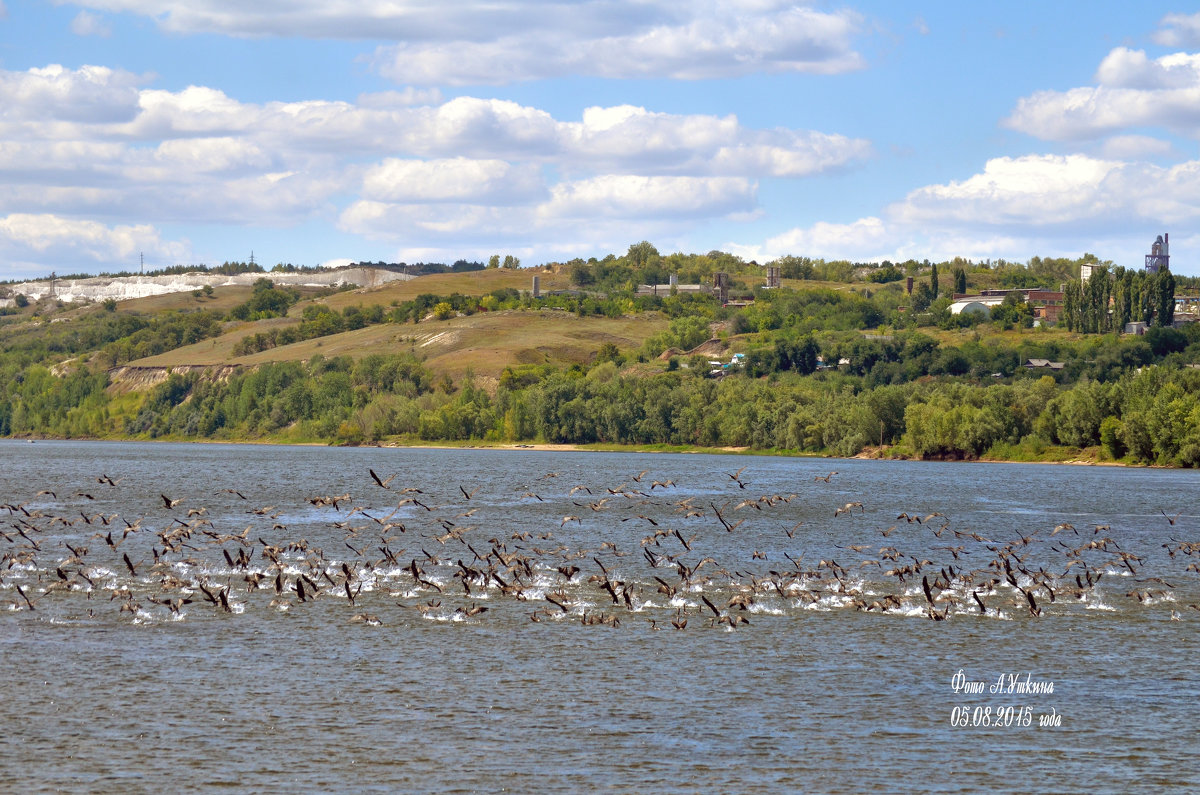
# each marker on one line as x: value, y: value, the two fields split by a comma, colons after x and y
x: 170, y: 503
x: 925, y: 586
x: 24, y: 596
x: 1034, y: 610
x: 383, y: 484
x: 736, y: 477
x: 174, y: 605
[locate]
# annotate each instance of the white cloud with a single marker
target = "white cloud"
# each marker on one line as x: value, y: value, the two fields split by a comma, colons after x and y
x: 1132, y: 92
x: 1134, y: 147
x: 459, y: 180
x: 446, y: 223
x: 1125, y: 68
x: 86, y: 23
x: 409, y: 96
x: 578, y: 210
x: 91, y: 143
x: 194, y: 110
x: 1179, y: 30
x: 34, y: 243
x: 629, y: 137
x: 622, y: 196
x: 1046, y: 204
x: 481, y: 42
x: 198, y: 153
x: 714, y: 40
x: 861, y: 240
x: 211, y: 155
x: 90, y: 94
x: 1034, y: 190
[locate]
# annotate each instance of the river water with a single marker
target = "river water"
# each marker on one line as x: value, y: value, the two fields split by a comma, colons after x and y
x: 293, y: 622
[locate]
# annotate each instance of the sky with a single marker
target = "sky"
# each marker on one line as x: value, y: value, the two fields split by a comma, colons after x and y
x: 320, y: 132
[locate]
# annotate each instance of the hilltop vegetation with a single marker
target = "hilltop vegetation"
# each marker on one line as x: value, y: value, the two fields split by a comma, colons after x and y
x: 841, y: 360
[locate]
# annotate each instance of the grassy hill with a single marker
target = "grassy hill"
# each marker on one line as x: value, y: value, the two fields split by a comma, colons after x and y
x: 471, y: 283
x: 485, y: 343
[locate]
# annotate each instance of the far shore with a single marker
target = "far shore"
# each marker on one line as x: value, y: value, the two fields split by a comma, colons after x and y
x: 1086, y: 457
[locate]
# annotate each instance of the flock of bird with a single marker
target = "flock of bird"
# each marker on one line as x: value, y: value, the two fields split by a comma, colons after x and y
x: 646, y: 552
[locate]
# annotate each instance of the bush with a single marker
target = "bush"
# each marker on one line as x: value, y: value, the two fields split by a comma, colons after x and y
x: 1110, y: 437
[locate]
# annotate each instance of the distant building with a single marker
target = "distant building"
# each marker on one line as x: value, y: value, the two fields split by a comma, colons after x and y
x: 1136, y: 327
x: 720, y: 286
x: 1047, y: 305
x: 673, y: 285
x: 1159, y: 257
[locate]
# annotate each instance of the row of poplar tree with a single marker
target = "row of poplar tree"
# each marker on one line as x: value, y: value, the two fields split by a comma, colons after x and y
x: 1107, y: 301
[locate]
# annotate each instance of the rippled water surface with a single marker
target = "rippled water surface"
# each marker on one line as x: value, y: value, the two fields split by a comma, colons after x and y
x: 292, y: 624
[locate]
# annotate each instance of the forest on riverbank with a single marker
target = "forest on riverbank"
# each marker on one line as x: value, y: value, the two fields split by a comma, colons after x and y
x: 840, y: 360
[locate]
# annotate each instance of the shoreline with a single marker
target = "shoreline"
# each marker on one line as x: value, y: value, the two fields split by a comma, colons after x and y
x: 872, y: 454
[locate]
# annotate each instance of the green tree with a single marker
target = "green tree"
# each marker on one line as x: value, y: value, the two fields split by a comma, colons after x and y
x: 794, y: 267
x: 1147, y: 297
x: 1072, y: 298
x: 608, y: 352
x: 1164, y: 293
x: 960, y: 281
x: 1122, y: 298
x: 494, y: 261
x: 922, y: 297
x: 933, y: 282
x: 642, y: 254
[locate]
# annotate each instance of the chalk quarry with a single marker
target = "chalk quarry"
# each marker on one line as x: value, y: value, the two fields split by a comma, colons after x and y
x: 100, y: 288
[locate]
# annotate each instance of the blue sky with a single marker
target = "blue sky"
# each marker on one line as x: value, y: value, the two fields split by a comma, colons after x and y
x: 197, y: 131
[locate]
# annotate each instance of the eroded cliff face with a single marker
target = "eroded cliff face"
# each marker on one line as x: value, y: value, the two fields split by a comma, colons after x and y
x: 120, y: 288
x: 139, y: 379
